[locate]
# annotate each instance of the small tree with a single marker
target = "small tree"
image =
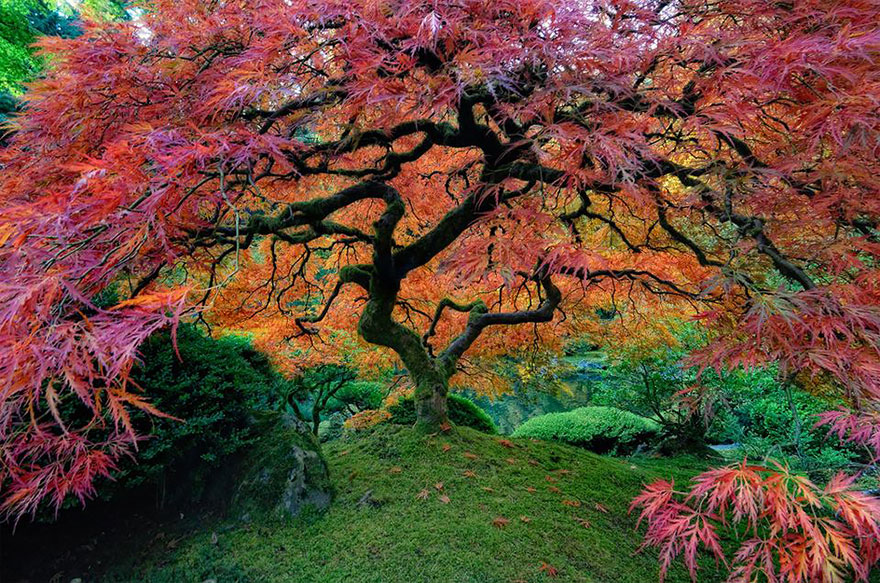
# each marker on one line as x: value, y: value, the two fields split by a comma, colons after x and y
x: 318, y: 385
x: 648, y: 375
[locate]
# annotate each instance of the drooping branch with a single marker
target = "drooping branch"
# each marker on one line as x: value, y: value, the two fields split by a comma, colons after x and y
x: 752, y: 226
x: 636, y: 275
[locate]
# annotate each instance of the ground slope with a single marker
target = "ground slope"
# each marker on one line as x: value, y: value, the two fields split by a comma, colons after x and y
x: 457, y: 507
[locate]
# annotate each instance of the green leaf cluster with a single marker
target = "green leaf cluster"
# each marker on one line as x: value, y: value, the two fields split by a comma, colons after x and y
x: 212, y: 389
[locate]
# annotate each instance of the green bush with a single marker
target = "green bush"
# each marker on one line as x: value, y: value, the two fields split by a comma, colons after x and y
x: 333, y: 427
x: 213, y: 388
x: 357, y: 396
x: 599, y: 429
x: 769, y: 428
x: 462, y: 411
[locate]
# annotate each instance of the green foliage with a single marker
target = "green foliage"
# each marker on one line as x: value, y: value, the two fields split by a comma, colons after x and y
x: 332, y: 427
x: 213, y: 388
x: 312, y: 391
x: 652, y: 382
x: 599, y: 429
x: 461, y: 410
x: 357, y: 396
x: 23, y: 21
x: 748, y: 407
x: 17, y: 62
x: 771, y: 420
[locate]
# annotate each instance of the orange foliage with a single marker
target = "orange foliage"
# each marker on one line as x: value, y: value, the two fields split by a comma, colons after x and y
x: 367, y: 419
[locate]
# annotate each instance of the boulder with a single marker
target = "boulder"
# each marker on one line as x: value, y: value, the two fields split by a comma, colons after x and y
x: 283, y: 474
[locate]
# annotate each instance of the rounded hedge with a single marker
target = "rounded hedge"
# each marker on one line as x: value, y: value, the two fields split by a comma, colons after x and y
x: 461, y: 410
x: 599, y: 429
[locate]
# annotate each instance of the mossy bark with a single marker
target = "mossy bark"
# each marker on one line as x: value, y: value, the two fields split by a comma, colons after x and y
x: 377, y: 326
x: 431, y: 406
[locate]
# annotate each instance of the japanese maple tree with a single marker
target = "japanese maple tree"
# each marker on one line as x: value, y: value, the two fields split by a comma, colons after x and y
x: 449, y: 180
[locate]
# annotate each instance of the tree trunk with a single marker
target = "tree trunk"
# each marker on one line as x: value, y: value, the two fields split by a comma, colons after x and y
x: 316, y: 420
x: 378, y: 327
x: 431, y: 410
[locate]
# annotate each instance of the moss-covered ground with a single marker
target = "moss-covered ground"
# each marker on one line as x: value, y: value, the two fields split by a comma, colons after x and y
x: 456, y: 507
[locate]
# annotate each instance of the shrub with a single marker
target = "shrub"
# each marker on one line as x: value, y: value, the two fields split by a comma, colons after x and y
x: 213, y: 388
x: 461, y: 410
x: 599, y: 429
x: 332, y: 427
x: 313, y: 391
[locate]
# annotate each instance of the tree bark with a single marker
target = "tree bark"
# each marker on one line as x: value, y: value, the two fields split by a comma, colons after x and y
x: 431, y: 406
x: 377, y: 326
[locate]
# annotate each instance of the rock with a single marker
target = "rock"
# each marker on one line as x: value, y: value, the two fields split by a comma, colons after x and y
x: 331, y: 428
x: 369, y: 500
x: 283, y: 473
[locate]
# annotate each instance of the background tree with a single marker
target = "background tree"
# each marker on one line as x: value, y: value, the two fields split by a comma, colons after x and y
x: 318, y: 385
x: 449, y: 176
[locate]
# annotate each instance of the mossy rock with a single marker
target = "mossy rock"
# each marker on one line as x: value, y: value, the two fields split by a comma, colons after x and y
x: 283, y: 474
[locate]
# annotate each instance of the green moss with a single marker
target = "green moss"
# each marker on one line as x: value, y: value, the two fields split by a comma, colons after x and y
x: 379, y: 531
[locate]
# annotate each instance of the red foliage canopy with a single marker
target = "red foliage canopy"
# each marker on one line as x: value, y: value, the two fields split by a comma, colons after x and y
x: 537, y: 158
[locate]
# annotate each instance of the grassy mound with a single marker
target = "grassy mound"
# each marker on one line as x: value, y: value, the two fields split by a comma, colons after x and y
x: 456, y: 507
